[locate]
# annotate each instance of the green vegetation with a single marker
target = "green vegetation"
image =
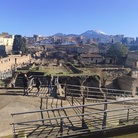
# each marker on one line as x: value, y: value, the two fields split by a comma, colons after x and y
x: 34, y: 69
x: 21, y: 134
x: 135, y: 135
x: 19, y: 44
x: 49, y: 70
x: 9, y: 136
x: 63, y: 71
x: 117, y: 50
x: 2, y: 83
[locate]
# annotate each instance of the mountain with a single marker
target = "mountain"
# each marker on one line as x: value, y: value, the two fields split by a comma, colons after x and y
x: 72, y: 35
x: 59, y: 34
x: 100, y: 32
x: 93, y: 34
x: 88, y: 34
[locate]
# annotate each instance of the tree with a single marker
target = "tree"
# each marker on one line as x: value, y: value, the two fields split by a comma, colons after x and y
x: 19, y: 44
x: 117, y: 50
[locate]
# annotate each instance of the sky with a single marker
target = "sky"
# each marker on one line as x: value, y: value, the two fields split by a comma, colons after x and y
x: 48, y: 17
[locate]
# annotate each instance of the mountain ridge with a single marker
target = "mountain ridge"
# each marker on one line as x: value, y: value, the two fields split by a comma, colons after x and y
x: 87, y: 34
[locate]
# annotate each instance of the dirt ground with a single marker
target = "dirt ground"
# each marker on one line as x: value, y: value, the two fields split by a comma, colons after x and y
x: 18, y: 103
x: 11, y: 104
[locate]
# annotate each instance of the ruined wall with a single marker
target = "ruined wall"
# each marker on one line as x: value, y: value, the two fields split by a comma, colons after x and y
x: 132, y: 57
x: 108, y: 76
x: 128, y: 83
x: 8, y: 63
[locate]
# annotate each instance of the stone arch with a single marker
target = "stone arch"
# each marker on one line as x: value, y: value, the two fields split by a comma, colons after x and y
x: 91, y: 81
x: 75, y: 90
x: 63, y: 80
x: 91, y: 87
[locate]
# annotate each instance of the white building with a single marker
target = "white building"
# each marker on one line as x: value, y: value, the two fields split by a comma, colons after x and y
x: 7, y: 41
x: 91, y: 58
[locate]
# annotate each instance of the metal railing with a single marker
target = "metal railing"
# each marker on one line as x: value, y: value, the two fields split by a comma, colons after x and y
x: 93, y: 94
x: 98, y: 94
x: 65, y: 121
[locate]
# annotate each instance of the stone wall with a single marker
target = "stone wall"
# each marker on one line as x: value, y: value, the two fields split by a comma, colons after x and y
x: 109, y: 75
x: 12, y: 61
x: 128, y: 83
x: 131, y: 59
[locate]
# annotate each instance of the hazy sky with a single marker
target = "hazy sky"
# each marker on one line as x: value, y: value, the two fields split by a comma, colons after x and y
x: 47, y: 17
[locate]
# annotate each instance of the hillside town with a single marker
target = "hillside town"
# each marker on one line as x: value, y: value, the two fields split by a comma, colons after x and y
x: 71, y: 77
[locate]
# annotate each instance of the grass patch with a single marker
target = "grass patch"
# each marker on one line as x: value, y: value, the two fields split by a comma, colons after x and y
x: 2, y: 83
x: 134, y: 135
x: 9, y: 136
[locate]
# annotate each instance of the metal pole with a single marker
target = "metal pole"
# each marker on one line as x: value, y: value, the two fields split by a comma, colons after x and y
x: 105, y: 113
x: 65, y: 92
x: 61, y: 126
x: 13, y: 126
x: 87, y: 92
x: 41, y: 111
x: 72, y: 99
x: 83, y: 103
x: 127, y: 115
x: 14, y: 131
x: 61, y: 103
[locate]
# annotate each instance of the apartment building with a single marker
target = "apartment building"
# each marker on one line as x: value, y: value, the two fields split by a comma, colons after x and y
x: 7, y: 41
